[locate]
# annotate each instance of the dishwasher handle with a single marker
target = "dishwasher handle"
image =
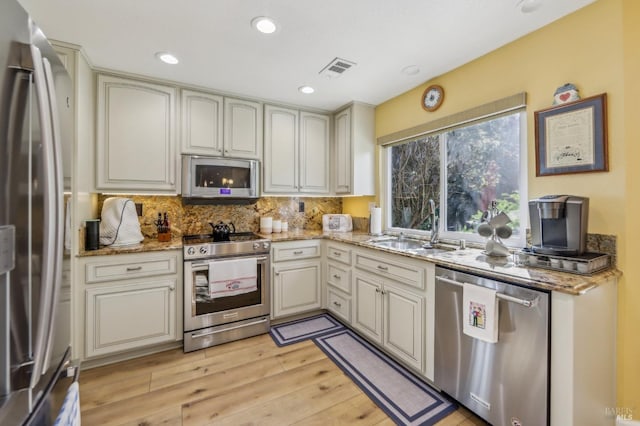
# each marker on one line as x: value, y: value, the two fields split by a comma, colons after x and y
x: 524, y: 302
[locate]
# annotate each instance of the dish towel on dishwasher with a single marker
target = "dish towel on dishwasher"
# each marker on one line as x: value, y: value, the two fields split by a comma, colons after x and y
x: 232, y: 277
x: 480, y: 313
x: 69, y: 414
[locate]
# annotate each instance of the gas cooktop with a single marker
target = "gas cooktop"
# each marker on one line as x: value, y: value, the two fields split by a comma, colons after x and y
x: 240, y: 244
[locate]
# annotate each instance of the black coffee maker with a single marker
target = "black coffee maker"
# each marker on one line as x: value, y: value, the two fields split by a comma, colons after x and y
x: 559, y: 224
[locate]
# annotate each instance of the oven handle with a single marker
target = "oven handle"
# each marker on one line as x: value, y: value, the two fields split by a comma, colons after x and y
x: 209, y: 333
x: 201, y: 266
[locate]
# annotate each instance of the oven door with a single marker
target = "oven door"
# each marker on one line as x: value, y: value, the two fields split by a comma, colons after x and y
x: 201, y: 310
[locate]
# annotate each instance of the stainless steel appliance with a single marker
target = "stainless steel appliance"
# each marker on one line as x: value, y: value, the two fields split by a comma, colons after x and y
x: 559, y: 224
x: 209, y: 318
x: 505, y: 383
x: 34, y: 336
x: 219, y: 178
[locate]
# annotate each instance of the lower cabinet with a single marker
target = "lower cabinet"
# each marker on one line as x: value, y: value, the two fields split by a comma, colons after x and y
x: 130, y: 316
x: 129, y: 302
x: 296, y: 279
x: 390, y: 316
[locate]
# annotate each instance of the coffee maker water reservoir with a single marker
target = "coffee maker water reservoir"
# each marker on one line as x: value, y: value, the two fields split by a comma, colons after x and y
x: 559, y: 224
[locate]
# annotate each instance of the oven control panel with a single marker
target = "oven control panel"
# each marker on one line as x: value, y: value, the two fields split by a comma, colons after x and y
x: 201, y: 251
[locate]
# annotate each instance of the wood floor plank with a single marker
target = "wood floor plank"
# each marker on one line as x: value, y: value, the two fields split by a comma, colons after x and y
x: 295, y: 406
x: 96, y: 396
x: 301, y: 356
x: 162, y: 417
x: 359, y: 411
x: 211, y: 409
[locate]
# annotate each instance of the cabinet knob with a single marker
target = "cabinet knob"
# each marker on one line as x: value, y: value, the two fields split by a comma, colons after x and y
x: 337, y: 253
x: 377, y: 290
x: 336, y: 276
x: 337, y: 304
x: 172, y: 288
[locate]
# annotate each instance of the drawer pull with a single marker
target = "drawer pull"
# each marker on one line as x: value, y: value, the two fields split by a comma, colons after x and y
x: 377, y: 290
x: 336, y: 276
x: 171, y: 288
x: 298, y: 252
x: 134, y: 268
x: 337, y: 253
x: 383, y: 268
x: 337, y: 304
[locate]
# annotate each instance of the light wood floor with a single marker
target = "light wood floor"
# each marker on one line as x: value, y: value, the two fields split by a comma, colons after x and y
x: 251, y: 381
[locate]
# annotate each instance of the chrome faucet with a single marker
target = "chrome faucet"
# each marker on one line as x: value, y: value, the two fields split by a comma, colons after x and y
x: 434, y: 222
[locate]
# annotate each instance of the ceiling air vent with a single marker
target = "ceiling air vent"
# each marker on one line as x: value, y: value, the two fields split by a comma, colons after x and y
x: 336, y: 68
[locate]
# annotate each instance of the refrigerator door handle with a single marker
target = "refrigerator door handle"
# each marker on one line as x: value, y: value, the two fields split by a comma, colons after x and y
x: 42, y: 330
x: 59, y: 204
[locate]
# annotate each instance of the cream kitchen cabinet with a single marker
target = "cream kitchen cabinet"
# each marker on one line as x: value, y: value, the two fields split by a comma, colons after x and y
x: 131, y: 301
x: 136, y: 136
x: 390, y: 300
x: 242, y: 129
x: 296, y: 277
x: 338, y: 280
x: 354, y: 150
x: 201, y: 123
x: 296, y: 151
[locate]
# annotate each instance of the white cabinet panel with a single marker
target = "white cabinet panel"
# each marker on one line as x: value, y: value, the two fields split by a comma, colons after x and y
x: 130, y: 316
x: 403, y: 324
x: 368, y: 306
x: 281, y: 150
x: 296, y: 288
x: 201, y: 123
x: 242, y: 129
x: 136, y: 122
x: 314, y: 153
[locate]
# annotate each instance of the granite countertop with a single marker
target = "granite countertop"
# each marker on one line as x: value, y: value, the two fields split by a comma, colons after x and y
x: 473, y: 260
x: 470, y: 260
x: 148, y: 244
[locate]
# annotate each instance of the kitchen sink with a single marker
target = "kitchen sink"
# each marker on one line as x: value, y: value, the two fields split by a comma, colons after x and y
x: 412, y: 246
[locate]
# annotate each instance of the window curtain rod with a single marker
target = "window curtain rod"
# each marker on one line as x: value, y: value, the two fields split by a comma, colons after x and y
x: 498, y: 107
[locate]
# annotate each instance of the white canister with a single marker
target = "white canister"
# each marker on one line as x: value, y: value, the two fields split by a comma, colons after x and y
x: 277, y: 225
x: 284, y: 226
x: 266, y: 225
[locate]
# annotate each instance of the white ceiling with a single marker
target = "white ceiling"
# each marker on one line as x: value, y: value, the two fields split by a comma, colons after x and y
x: 218, y: 48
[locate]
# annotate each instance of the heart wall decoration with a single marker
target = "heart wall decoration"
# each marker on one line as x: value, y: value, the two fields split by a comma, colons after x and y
x: 566, y: 93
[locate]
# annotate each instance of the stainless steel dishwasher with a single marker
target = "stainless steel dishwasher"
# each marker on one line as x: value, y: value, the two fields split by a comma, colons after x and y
x: 505, y: 383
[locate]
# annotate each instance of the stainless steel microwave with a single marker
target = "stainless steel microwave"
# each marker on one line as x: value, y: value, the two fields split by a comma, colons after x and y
x: 219, y: 177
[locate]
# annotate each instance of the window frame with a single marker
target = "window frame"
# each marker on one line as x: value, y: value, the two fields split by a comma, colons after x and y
x: 465, y: 119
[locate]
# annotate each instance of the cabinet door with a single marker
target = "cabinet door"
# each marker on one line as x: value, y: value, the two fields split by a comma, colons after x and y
x: 342, y: 143
x: 314, y: 153
x: 296, y: 288
x: 201, y: 123
x: 280, y: 150
x: 368, y: 306
x: 242, y: 129
x: 68, y: 58
x: 136, y: 147
x: 130, y: 316
x: 403, y: 325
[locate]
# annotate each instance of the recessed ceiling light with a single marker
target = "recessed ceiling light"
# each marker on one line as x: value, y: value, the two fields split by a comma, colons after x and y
x: 411, y: 70
x: 167, y: 58
x: 529, y: 6
x: 307, y: 90
x: 264, y: 24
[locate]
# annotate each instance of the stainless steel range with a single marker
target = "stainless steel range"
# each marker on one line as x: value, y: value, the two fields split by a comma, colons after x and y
x: 227, y: 289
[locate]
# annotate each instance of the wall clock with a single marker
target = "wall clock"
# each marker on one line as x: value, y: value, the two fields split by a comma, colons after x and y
x: 432, y: 98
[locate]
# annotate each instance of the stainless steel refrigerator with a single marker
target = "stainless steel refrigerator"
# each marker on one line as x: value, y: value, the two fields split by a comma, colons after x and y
x: 34, y: 100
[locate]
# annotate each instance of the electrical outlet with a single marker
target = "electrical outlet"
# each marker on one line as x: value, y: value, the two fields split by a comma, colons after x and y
x: 139, y: 208
x: 301, y: 206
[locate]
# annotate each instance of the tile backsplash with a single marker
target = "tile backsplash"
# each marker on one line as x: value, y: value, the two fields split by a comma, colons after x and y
x: 188, y: 219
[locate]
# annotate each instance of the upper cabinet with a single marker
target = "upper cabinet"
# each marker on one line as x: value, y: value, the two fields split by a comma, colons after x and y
x: 354, y: 150
x: 296, y: 153
x: 136, y: 136
x: 201, y: 130
x: 242, y: 129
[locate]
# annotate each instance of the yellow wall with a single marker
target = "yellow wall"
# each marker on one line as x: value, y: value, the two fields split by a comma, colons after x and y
x: 595, y: 49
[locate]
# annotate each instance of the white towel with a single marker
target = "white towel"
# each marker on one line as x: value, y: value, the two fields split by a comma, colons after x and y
x: 119, y: 224
x: 69, y: 414
x: 480, y: 313
x: 232, y: 277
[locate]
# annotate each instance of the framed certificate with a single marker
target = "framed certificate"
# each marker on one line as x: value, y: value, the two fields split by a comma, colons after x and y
x: 572, y: 137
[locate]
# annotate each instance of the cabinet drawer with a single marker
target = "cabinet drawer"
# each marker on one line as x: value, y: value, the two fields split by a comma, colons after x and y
x: 339, y: 253
x: 405, y: 273
x: 340, y: 277
x: 339, y: 305
x: 124, y: 269
x: 296, y: 250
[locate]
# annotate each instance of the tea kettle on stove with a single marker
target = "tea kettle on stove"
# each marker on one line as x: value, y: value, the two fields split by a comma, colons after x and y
x: 221, y: 231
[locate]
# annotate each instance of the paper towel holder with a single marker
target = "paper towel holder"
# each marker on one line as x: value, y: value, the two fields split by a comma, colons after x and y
x: 372, y: 231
